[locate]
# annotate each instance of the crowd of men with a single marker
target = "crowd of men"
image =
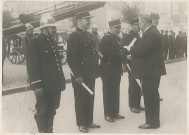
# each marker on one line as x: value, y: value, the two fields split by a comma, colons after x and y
x: 89, y: 57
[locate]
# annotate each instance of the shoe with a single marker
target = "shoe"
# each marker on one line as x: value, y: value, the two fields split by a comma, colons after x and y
x: 92, y: 125
x: 83, y: 129
x: 161, y: 99
x: 135, y: 109
x: 147, y: 126
x: 118, y: 116
x: 141, y: 108
x: 109, y: 119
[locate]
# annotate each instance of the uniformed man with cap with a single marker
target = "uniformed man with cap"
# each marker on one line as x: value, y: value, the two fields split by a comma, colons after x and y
x: 46, y: 74
x: 27, y: 39
x: 172, y: 45
x: 83, y: 61
x: 134, y: 89
x: 111, y: 70
x: 179, y: 40
x: 162, y: 40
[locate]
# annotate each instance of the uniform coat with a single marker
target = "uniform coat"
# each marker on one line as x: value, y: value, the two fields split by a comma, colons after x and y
x: 166, y: 48
x: 134, y: 88
x: 172, y: 47
x: 111, y: 71
x: 148, y: 65
x: 83, y: 62
x: 45, y: 71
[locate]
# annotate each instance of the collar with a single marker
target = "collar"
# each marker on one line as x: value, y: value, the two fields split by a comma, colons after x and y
x: 81, y: 30
x: 147, y: 28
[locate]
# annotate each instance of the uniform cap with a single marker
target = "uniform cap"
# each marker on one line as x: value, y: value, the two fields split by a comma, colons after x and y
x: 47, y: 20
x: 83, y: 15
x: 114, y: 23
x: 134, y: 21
x: 28, y: 26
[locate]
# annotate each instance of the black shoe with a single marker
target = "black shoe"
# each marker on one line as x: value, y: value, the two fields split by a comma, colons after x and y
x: 83, y: 129
x: 109, y: 119
x: 118, y: 116
x: 135, y: 110
x: 92, y: 125
x: 147, y: 126
x: 161, y: 99
x: 141, y: 108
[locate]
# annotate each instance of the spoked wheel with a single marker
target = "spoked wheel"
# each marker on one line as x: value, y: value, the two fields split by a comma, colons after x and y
x: 15, y: 49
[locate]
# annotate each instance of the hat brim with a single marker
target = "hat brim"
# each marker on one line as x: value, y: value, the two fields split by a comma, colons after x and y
x: 48, y: 25
x: 119, y: 25
x: 86, y: 17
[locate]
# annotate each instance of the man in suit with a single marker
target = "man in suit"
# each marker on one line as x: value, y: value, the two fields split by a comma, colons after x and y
x: 148, y: 65
x: 111, y: 71
x: 83, y: 61
x: 46, y: 74
x: 134, y: 88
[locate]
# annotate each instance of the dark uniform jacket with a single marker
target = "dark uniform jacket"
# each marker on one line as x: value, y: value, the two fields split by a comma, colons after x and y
x: 167, y: 41
x: 111, y: 64
x: 44, y: 65
x: 162, y: 41
x: 147, y: 56
x: 172, y: 41
x: 81, y: 54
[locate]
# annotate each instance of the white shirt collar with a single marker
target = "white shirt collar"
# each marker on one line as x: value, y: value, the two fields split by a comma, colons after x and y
x: 147, y: 28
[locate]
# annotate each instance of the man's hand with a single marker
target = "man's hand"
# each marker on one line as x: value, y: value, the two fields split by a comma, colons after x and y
x: 39, y: 91
x: 79, y: 80
x: 129, y: 57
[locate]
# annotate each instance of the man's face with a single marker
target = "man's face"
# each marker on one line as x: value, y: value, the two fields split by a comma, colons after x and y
x: 136, y: 27
x: 86, y: 23
x: 30, y: 32
x: 155, y: 22
x: 52, y: 30
x: 141, y: 24
x: 116, y: 30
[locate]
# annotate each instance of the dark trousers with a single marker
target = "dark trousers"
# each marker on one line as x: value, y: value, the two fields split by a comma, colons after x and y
x: 151, y: 100
x: 84, y: 101
x: 134, y: 93
x: 111, y: 94
x: 165, y: 53
x: 171, y: 53
x: 46, y: 106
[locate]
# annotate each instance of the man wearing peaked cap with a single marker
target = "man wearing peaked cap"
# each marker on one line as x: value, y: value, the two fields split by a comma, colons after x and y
x: 83, y: 61
x: 134, y: 89
x: 46, y: 74
x: 111, y: 70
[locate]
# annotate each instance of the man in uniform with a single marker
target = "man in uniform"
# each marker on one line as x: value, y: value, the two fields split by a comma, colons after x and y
x: 134, y: 88
x: 148, y: 65
x: 27, y: 40
x: 172, y: 45
x: 111, y: 70
x: 162, y: 40
x: 179, y: 44
x: 167, y: 44
x: 185, y: 44
x: 46, y: 75
x: 83, y: 61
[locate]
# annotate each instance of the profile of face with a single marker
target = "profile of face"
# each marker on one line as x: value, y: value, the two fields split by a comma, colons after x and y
x: 136, y: 27
x: 141, y: 24
x: 155, y: 22
x: 30, y: 32
x: 52, y: 30
x: 85, y: 23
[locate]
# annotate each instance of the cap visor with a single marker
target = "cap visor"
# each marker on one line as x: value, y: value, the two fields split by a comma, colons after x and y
x: 87, y: 17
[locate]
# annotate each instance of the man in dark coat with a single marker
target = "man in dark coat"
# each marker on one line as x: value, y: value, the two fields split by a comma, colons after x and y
x: 3, y: 54
x: 46, y: 75
x: 162, y: 40
x: 185, y: 44
x: 111, y: 70
x: 167, y: 44
x: 83, y: 61
x: 148, y: 65
x: 134, y: 88
x: 172, y: 45
x: 179, y: 40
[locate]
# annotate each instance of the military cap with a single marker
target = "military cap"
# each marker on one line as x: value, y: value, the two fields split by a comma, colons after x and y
x: 83, y: 15
x: 134, y: 21
x: 114, y: 23
x: 154, y: 16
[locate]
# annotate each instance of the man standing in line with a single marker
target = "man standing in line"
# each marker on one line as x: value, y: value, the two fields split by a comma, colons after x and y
x: 83, y: 61
x: 179, y: 44
x: 148, y: 65
x: 172, y: 45
x: 162, y: 41
x: 27, y: 40
x: 111, y: 71
x: 46, y: 75
x: 167, y: 44
x: 185, y: 44
x: 134, y: 88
